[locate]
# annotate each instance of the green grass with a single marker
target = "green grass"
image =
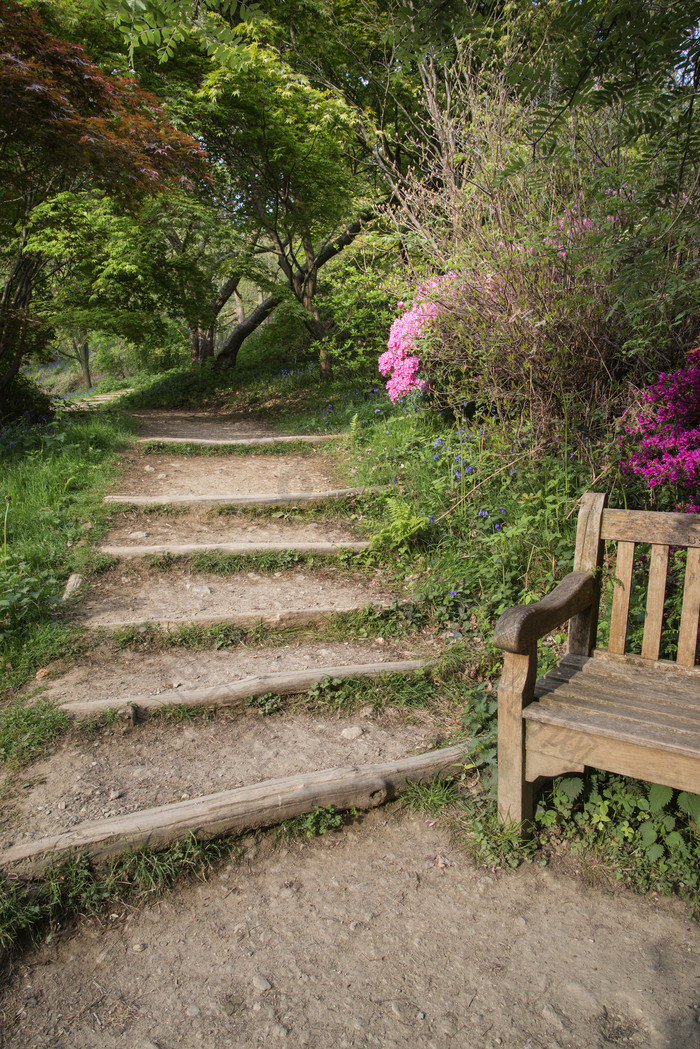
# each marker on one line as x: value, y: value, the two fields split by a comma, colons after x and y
x: 28, y: 729
x: 76, y: 887
x: 50, y: 500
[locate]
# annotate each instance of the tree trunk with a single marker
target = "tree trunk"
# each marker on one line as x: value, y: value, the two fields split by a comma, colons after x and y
x: 81, y: 348
x: 227, y: 357
x: 201, y: 344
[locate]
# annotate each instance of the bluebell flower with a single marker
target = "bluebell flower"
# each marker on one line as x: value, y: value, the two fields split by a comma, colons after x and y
x: 458, y: 476
x: 500, y: 510
x: 453, y: 593
x: 436, y: 456
x: 431, y: 517
x: 484, y: 513
x: 497, y: 526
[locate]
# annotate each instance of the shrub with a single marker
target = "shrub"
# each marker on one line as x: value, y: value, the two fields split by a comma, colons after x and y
x: 22, y: 400
x: 663, y: 442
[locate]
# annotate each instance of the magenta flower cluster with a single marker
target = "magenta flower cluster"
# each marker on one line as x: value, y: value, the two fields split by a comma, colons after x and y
x: 401, y: 360
x: 666, y: 434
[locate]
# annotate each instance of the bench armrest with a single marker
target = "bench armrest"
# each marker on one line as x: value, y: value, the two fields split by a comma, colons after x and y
x: 519, y: 628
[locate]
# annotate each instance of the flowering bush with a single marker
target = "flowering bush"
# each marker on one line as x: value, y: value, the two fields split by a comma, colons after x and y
x: 407, y: 335
x: 666, y: 435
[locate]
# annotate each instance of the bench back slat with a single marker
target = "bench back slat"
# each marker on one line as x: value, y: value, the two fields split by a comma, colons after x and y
x: 690, y: 614
x: 656, y: 594
x: 588, y: 557
x: 621, y: 597
x: 648, y: 526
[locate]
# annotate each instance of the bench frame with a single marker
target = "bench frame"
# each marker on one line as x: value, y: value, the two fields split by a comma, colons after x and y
x: 551, y: 738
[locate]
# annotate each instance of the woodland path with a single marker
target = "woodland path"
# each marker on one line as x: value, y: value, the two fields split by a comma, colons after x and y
x: 377, y: 934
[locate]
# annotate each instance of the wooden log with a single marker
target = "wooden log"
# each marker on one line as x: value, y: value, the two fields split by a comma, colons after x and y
x: 294, y: 617
x: 186, y: 549
x: 234, y: 811
x: 235, y: 693
x: 263, y: 499
x: 207, y: 442
x: 75, y: 581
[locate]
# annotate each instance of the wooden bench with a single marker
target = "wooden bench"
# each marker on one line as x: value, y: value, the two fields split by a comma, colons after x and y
x: 637, y: 715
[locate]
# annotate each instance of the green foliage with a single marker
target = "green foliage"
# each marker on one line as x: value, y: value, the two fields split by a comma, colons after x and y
x: 269, y: 703
x: 646, y: 836
x: 403, y: 528
x: 312, y: 824
x: 24, y: 403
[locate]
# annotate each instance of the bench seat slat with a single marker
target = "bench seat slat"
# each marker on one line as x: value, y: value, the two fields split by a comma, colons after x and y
x: 664, y: 669
x: 677, y: 718
x: 551, y: 691
x: 680, y: 694
x: 566, y: 749
x: 600, y: 724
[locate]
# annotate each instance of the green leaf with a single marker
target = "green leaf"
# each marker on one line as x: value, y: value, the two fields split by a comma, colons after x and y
x: 655, y: 852
x: 659, y: 797
x: 571, y: 786
x: 690, y: 803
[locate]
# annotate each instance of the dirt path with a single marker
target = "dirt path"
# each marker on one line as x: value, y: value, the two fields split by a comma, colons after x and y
x: 380, y: 934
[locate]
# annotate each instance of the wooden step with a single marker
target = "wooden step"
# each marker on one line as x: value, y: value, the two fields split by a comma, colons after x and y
x: 277, y: 499
x: 211, y: 442
x: 235, y: 693
x: 186, y: 549
x: 245, y: 620
x: 233, y: 811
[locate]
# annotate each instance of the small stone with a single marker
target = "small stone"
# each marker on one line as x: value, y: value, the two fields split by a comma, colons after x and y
x: 114, y: 794
x: 260, y: 983
x: 138, y: 947
x: 192, y: 1010
x: 551, y: 1014
x: 352, y: 733
x: 161, y: 477
x: 138, y: 535
x: 149, y: 469
x: 61, y: 805
x: 201, y: 590
x: 280, y: 1030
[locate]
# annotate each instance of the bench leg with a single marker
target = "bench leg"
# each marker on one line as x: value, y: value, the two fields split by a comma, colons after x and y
x: 515, y: 691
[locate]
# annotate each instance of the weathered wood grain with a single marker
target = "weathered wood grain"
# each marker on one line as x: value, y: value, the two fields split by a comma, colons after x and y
x: 656, y: 595
x: 520, y: 627
x: 649, y: 526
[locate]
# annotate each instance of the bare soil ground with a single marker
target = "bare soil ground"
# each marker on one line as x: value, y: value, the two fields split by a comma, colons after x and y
x: 201, y: 425
x: 139, y: 595
x: 201, y: 525
x: 381, y: 934
x: 171, y: 475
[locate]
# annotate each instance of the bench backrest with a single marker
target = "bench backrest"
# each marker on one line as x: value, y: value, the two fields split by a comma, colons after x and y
x: 597, y: 524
